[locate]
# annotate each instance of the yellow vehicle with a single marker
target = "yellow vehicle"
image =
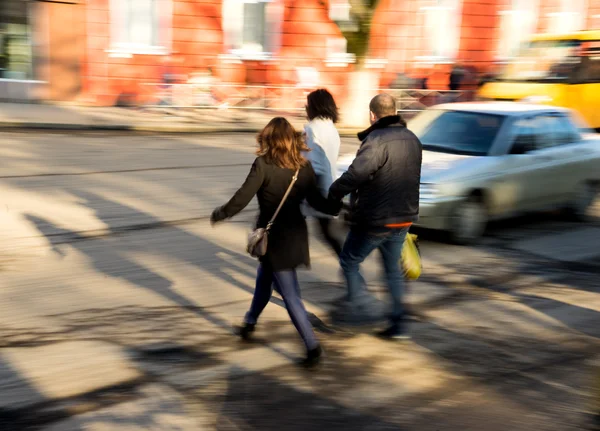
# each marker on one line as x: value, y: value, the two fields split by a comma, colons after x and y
x: 561, y: 70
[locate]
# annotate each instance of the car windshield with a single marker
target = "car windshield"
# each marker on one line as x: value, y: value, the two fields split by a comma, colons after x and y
x: 456, y: 132
x: 543, y: 61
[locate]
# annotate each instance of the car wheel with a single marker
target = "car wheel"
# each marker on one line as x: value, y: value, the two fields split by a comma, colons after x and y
x: 585, y: 196
x: 469, y: 221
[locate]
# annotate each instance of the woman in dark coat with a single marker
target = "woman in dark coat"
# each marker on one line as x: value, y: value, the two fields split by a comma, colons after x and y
x: 279, y: 157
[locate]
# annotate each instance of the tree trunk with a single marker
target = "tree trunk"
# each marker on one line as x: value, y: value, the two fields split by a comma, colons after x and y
x: 361, y: 88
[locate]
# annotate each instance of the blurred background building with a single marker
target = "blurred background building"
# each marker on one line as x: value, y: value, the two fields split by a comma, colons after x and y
x: 106, y: 52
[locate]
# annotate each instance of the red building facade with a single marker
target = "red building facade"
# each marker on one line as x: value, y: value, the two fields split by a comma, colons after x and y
x: 104, y: 51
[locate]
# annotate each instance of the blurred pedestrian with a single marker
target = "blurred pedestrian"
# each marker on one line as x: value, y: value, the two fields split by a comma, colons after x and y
x: 323, y: 140
x: 4, y: 55
x: 383, y: 181
x: 279, y: 161
x: 457, y: 74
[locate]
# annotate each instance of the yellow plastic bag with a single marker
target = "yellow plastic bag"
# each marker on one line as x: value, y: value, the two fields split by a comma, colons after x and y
x: 411, y: 258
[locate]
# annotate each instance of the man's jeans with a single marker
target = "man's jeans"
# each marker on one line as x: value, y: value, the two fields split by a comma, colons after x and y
x: 359, y: 245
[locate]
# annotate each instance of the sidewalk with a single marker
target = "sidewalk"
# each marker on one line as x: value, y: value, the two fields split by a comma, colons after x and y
x: 167, y: 120
x: 117, y: 305
x: 139, y: 359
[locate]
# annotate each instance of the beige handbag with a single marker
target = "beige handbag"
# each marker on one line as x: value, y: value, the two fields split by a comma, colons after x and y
x: 257, y: 240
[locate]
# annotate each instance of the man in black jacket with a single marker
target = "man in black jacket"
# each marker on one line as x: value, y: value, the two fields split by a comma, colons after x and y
x: 383, y: 182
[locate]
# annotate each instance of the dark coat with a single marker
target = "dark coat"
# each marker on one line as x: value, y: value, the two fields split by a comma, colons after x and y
x: 385, y: 176
x: 288, y: 238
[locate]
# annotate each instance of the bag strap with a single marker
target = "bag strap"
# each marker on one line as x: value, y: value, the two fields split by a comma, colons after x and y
x: 287, y: 193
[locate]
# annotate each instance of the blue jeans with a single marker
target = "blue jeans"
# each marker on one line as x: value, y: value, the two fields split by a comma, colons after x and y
x: 286, y: 284
x: 358, y: 246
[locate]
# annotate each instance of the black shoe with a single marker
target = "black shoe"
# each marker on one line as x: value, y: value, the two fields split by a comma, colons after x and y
x: 245, y: 331
x: 313, y: 357
x: 394, y: 332
x: 412, y: 315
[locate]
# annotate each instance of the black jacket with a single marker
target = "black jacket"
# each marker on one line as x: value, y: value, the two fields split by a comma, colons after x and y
x: 288, y: 238
x: 384, y: 177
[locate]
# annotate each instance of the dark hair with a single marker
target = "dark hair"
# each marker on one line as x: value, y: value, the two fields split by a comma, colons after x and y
x: 383, y: 105
x: 282, y: 145
x: 320, y: 104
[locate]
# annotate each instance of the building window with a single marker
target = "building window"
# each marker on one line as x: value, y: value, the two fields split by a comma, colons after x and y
x: 516, y: 25
x: 339, y: 10
x: 441, y: 28
x: 337, y: 52
x: 140, y: 26
x: 16, y: 59
x: 307, y: 78
x: 252, y: 27
x: 570, y: 18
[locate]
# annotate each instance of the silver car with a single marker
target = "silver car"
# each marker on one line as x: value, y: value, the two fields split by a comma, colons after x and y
x: 493, y: 160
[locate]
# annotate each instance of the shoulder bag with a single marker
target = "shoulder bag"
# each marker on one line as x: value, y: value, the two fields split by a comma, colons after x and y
x: 257, y: 240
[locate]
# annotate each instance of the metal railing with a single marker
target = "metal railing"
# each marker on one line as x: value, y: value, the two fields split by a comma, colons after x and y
x: 274, y: 97
x: 417, y: 100
x: 285, y: 98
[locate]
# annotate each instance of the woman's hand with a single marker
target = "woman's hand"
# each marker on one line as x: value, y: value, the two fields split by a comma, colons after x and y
x: 215, y: 217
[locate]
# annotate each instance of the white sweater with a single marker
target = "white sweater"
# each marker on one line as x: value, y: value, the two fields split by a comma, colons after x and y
x: 324, y: 141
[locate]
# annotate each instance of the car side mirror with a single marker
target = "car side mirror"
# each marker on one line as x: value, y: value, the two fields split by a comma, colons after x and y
x: 523, y: 144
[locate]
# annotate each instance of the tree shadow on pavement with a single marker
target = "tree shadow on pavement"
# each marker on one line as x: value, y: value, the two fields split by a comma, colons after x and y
x: 110, y: 253
x: 259, y: 402
x: 111, y: 261
x: 17, y: 396
x: 580, y: 319
x: 553, y: 382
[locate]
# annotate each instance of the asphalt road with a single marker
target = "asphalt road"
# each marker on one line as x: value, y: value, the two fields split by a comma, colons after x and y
x: 126, y: 247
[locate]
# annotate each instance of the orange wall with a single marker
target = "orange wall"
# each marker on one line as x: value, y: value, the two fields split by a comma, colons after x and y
x: 594, y: 14
x: 478, y: 37
x: 197, y: 41
x: 59, y: 49
x: 397, y: 35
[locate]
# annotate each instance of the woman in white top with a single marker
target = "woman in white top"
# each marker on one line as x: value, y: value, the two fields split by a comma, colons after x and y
x: 323, y: 140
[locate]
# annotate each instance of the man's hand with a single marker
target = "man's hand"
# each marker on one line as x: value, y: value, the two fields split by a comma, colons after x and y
x: 334, y: 206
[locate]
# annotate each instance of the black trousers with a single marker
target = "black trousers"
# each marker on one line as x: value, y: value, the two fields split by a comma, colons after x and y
x: 325, y: 226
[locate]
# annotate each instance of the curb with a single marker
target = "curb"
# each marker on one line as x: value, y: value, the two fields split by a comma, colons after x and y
x: 145, y: 128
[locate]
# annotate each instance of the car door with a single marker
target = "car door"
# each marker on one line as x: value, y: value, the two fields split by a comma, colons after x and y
x: 514, y: 179
x: 548, y: 167
x: 572, y: 157
x: 530, y: 168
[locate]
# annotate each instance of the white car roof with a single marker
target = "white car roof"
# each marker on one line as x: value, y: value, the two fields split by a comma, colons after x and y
x: 499, y: 108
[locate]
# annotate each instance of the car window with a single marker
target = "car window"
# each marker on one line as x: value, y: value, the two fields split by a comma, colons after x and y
x: 528, y: 131
x: 456, y: 132
x: 557, y: 131
x: 562, y: 130
x: 546, y: 131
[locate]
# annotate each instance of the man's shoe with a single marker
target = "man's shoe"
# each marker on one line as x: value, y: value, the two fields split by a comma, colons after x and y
x: 245, y: 331
x: 412, y: 315
x: 367, y: 311
x: 313, y: 357
x: 394, y: 332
